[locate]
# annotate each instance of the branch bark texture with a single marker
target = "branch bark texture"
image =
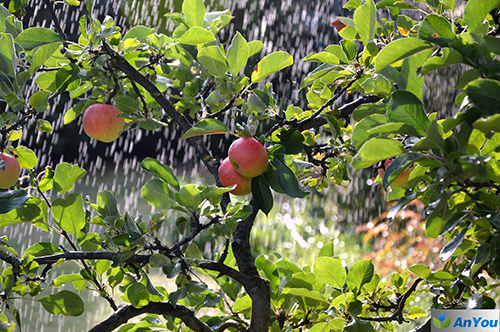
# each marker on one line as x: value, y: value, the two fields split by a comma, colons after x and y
x: 123, y: 314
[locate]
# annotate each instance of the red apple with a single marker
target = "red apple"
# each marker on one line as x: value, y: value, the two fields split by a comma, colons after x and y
x: 401, y: 180
x: 10, y: 175
x: 101, y: 122
x: 228, y: 177
x: 248, y: 157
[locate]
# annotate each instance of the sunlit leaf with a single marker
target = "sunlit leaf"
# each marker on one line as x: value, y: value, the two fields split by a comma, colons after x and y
x: 237, y: 54
x: 66, y: 175
x: 476, y: 10
x: 360, y: 274
x: 69, y: 214
x: 36, y: 36
x: 399, y: 49
x: 206, y: 127
x: 375, y: 150
x: 63, y: 303
x: 271, y: 64
x: 365, y: 20
x: 330, y: 271
x: 213, y: 60
x: 160, y: 170
x: 194, y: 11
x: 196, y: 35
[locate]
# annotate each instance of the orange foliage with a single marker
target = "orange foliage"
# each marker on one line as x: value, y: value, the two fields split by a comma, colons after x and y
x: 395, y: 245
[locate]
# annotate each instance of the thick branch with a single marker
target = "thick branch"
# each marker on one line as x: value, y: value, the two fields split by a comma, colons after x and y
x: 133, y: 74
x: 78, y: 255
x: 123, y: 314
x: 257, y: 288
x: 398, y: 314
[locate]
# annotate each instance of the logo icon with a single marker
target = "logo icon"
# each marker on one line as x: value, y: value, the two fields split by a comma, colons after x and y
x: 441, y: 322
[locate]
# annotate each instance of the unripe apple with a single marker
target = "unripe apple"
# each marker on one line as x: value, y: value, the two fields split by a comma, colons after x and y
x: 102, y: 123
x: 12, y: 171
x: 401, y: 180
x: 228, y: 177
x: 248, y: 157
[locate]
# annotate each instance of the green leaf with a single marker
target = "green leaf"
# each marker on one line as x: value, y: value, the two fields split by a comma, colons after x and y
x: 66, y: 175
x: 421, y: 270
x: 416, y: 313
x: 194, y: 11
x: 485, y: 94
x: 330, y: 271
x: 33, y: 211
x: 440, y: 276
x: 306, y: 293
x: 26, y: 157
x: 158, y: 194
x: 190, y: 196
x: 395, y: 3
x: 254, y: 46
x: 41, y: 55
x: 271, y: 64
x: 36, y: 36
x: 410, y: 79
x: 365, y: 20
x: 38, y: 101
x: 287, y: 180
x: 160, y: 170
x: 41, y: 249
x: 66, y: 279
x: 65, y: 76
x: 138, y: 295
x: 438, y: 218
x: 324, y: 57
x: 349, y: 48
x: 489, y: 124
x: 398, y: 50
x: 447, y: 57
x: 106, y: 204
x: 237, y: 54
x: 47, y: 81
x: 360, y: 274
x: 375, y: 150
x: 405, y: 107
x: 69, y: 213
x: 196, y: 35
x: 360, y: 133
x: 206, y: 127
x: 63, y: 303
x: 213, y: 60
x: 262, y: 194
x: 139, y: 32
x: 10, y: 200
x: 436, y: 29
x: 8, y: 58
x: 450, y: 248
x: 476, y: 10
x: 242, y: 303
x: 44, y: 126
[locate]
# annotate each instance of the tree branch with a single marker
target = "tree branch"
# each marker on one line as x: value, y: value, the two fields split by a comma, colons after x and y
x: 123, y: 314
x: 398, y: 314
x: 119, y: 62
x: 257, y: 288
x: 78, y: 255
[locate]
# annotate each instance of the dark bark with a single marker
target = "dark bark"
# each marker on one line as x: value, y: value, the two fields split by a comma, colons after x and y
x: 258, y: 288
x: 123, y: 314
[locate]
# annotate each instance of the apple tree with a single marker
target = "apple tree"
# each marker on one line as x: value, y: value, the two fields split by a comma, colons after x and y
x: 190, y: 79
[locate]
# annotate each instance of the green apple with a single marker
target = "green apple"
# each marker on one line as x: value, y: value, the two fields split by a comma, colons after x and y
x: 228, y: 177
x: 101, y: 122
x: 10, y: 175
x: 248, y: 157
